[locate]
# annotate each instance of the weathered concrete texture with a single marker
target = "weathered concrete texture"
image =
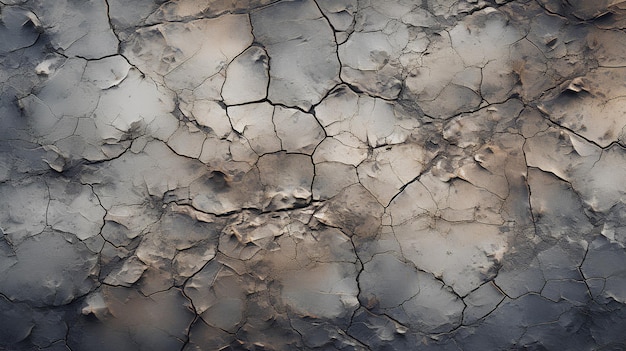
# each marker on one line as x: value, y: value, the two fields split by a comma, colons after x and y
x: 312, y: 175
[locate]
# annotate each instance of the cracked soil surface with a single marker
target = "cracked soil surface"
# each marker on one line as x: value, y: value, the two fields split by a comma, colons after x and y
x: 312, y: 175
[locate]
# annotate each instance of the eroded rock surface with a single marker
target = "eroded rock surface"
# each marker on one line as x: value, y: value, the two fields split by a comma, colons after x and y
x: 312, y: 175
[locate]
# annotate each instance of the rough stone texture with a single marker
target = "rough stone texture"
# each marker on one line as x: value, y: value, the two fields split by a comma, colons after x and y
x: 312, y: 175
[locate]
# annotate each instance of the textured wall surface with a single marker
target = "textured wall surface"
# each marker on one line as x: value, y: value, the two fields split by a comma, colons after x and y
x: 312, y: 175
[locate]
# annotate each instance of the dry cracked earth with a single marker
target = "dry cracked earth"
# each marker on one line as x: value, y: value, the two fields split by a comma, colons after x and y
x: 312, y: 175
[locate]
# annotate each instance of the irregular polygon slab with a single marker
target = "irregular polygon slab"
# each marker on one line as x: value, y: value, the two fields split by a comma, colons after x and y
x: 18, y: 157
x: 478, y: 128
x: 354, y: 210
x: 343, y: 148
x: 212, y: 115
x: 373, y: 121
x: 572, y: 291
x: 601, y: 185
x: 287, y: 179
x: 370, y: 60
x: 325, y: 291
x: 442, y: 85
x: 107, y: 72
x: 78, y: 29
x: 123, y: 16
x: 59, y: 101
x: 254, y: 122
x: 125, y: 222
x: 481, y: 302
x: 530, y: 310
x: 487, y: 45
x: 184, y: 55
x: 232, y: 157
x: 24, y: 207
x: 187, y: 141
x: 298, y: 131
x: 455, y: 201
x: 531, y: 70
x: 129, y: 179
x: 451, y: 78
x: 138, y: 104
x: 209, y: 90
x: 260, y: 230
x: 609, y: 46
x: 183, y: 232
x: 592, y: 106
x: 19, y: 28
x: 415, y: 200
x: 542, y: 59
x: 313, y: 272
x: 218, y: 295
x: 188, y: 262
x: 561, y: 261
x: 127, y: 274
x: 135, y: 322
x: 369, y: 16
x: 376, y: 331
x: 556, y: 207
x: 497, y: 167
x: 217, y: 193
x: 549, y: 336
x: 466, y: 202
x: 302, y: 51
x: 390, y: 168
x: 340, y: 14
x: 379, y: 285
x: 202, y: 335
x: 298, y: 248
x: 412, y: 297
x: 604, y: 260
x: 77, y: 112
x: 462, y: 254
x: 594, y: 173
x: 74, y: 208
x: 50, y: 270
x: 560, y: 152
x: 17, y: 323
x: 246, y: 77
x: 331, y: 178
x: 449, y: 235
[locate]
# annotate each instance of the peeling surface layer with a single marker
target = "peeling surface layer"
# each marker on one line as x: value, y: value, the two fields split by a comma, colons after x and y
x: 312, y: 175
